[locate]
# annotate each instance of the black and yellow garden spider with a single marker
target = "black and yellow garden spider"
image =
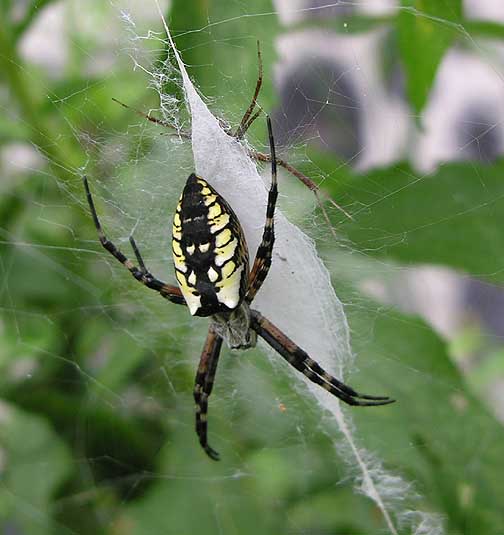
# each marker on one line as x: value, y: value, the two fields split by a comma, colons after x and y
x: 211, y: 261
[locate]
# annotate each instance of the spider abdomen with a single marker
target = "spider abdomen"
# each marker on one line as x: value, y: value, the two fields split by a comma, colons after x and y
x: 209, y: 250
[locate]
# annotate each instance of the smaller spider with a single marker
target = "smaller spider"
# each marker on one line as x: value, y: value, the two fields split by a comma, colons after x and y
x: 211, y: 261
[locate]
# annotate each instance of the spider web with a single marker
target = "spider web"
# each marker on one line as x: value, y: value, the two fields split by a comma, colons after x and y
x: 136, y: 176
x: 298, y: 276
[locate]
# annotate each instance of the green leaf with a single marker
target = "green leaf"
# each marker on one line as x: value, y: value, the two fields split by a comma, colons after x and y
x: 426, y: 30
x: 437, y: 434
x: 453, y: 217
x: 35, y: 463
x: 484, y: 28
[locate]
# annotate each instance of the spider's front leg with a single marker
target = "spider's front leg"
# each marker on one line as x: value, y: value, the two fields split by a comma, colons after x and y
x: 262, y: 261
x: 168, y: 291
x: 248, y: 118
x: 299, y: 359
x: 203, y: 388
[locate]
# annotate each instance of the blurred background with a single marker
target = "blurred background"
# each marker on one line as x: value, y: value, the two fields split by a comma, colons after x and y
x: 396, y: 109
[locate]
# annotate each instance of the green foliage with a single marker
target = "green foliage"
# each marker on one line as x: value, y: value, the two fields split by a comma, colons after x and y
x: 442, y: 421
x: 96, y: 410
x: 426, y: 29
x: 35, y: 463
x: 401, y: 221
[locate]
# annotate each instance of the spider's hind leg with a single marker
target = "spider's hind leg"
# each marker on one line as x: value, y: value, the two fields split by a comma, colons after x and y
x: 203, y: 388
x: 299, y: 359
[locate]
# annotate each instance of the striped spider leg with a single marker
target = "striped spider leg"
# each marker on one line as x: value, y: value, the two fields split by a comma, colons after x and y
x: 302, y: 362
x: 262, y: 261
x: 203, y: 388
x: 141, y: 274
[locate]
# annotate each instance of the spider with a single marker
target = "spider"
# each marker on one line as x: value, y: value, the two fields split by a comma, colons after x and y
x: 211, y: 262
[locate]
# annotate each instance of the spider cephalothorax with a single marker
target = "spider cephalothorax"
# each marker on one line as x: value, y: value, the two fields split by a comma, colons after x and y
x: 212, y: 269
x: 234, y: 327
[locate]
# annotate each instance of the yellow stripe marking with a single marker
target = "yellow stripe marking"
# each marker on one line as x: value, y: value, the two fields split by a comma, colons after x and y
x: 180, y: 264
x: 222, y: 238
x: 228, y: 269
x: 177, y: 251
x: 193, y: 301
x: 229, y: 289
x: 209, y: 199
x: 219, y: 223
x: 214, y: 211
x: 225, y: 253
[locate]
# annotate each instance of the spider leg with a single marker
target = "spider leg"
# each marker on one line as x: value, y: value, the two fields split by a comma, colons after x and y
x: 203, y: 388
x: 168, y: 291
x: 139, y: 258
x: 300, y: 360
x: 308, y: 182
x: 153, y: 119
x: 262, y: 260
x: 247, y: 120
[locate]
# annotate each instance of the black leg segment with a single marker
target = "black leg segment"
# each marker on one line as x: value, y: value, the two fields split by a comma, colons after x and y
x: 168, y: 291
x: 203, y: 388
x: 299, y: 359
